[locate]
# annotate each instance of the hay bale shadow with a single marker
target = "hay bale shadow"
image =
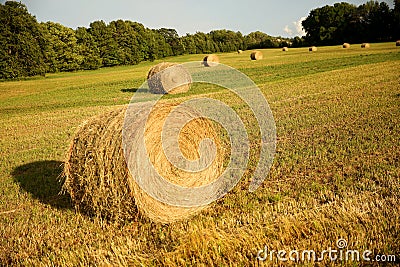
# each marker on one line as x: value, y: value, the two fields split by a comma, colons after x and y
x: 42, y: 180
x: 133, y: 90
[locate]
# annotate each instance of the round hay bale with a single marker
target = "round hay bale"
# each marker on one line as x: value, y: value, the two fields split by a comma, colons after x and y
x: 312, y: 49
x: 168, y: 80
x: 365, y: 45
x: 398, y: 43
x: 256, y: 55
x: 285, y: 49
x: 211, y: 60
x: 346, y: 45
x: 240, y: 51
x: 99, y: 182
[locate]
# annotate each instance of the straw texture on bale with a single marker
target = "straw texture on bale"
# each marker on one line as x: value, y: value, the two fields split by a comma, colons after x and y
x: 365, y: 45
x: 169, y: 80
x: 312, y: 49
x: 346, y: 45
x: 100, y: 184
x: 398, y: 43
x: 256, y: 55
x: 96, y: 176
x: 285, y: 49
x: 210, y: 60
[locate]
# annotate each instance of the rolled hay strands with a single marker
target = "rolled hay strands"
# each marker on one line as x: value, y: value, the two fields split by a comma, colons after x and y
x: 285, y: 49
x: 165, y: 80
x: 365, y: 45
x: 398, y: 43
x: 312, y: 49
x: 346, y: 45
x: 97, y: 175
x: 211, y: 60
x: 256, y: 55
x: 190, y: 138
x: 240, y: 51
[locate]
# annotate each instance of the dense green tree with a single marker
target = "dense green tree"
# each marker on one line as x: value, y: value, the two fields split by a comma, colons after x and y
x: 142, y: 44
x: 376, y: 21
x: 321, y: 25
x: 20, y: 42
x: 200, y: 40
x: 127, y: 47
x: 189, y: 44
x: 297, y: 42
x: 396, y: 20
x: 227, y: 40
x: 171, y: 37
x: 158, y: 46
x: 87, y: 49
x: 61, y: 49
x: 259, y: 39
x: 107, y: 45
x: 344, y: 22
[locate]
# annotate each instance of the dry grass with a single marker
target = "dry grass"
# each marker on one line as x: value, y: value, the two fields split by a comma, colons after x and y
x: 335, y: 175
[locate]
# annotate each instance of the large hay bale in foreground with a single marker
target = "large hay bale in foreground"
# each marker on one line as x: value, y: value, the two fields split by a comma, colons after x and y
x: 168, y: 78
x: 98, y: 179
x: 256, y: 55
x: 312, y: 49
x: 211, y: 60
x: 365, y: 45
x: 346, y: 45
x: 398, y: 43
x: 285, y: 49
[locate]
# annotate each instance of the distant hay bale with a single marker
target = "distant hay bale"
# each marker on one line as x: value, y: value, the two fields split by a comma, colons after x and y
x: 240, y: 51
x: 211, y: 60
x: 346, y: 45
x: 365, y: 45
x: 99, y: 182
x: 312, y: 49
x: 285, y: 49
x: 256, y: 55
x: 398, y: 43
x: 168, y: 80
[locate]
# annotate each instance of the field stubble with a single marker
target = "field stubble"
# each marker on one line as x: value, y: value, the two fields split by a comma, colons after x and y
x: 335, y: 175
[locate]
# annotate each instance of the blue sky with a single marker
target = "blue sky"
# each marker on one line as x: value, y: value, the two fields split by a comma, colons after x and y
x: 270, y: 16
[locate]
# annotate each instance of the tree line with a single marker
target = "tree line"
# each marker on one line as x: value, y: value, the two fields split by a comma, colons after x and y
x: 29, y: 48
x: 344, y: 22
